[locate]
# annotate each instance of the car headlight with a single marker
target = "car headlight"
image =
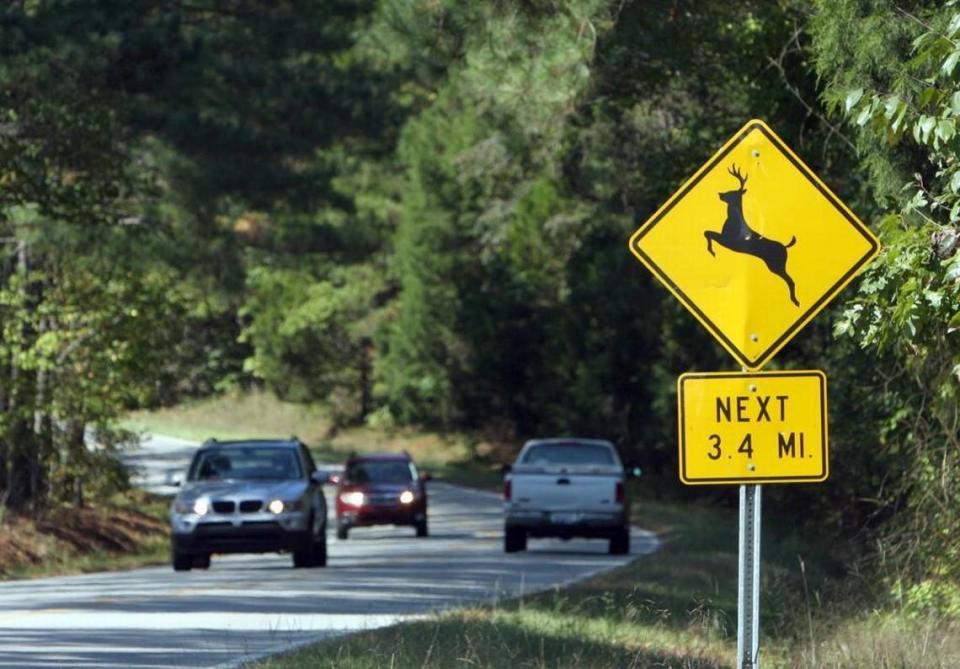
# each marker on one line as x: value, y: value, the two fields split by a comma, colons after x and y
x: 352, y: 498
x: 201, y: 507
x: 406, y: 497
x: 276, y: 506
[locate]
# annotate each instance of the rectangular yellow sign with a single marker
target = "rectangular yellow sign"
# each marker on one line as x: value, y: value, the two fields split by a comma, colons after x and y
x: 761, y: 427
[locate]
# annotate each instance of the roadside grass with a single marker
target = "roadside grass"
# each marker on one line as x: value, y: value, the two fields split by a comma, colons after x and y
x: 889, y: 640
x: 127, y: 531
x: 674, y: 608
x: 259, y: 414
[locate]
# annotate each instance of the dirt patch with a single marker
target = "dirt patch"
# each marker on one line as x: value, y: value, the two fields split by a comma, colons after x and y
x: 65, y: 533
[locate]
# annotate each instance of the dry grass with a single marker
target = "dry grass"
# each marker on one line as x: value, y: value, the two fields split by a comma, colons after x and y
x: 128, y: 532
x: 881, y: 641
x: 452, y: 457
x: 235, y: 416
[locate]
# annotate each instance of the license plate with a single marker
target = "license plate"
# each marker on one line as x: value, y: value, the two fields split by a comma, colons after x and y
x: 565, y: 518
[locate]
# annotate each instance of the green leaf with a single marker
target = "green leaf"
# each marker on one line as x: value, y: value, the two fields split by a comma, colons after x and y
x: 950, y: 63
x: 853, y: 97
x: 891, y: 105
x: 955, y: 103
x: 954, y: 26
x: 946, y: 129
x: 864, y: 116
x: 897, y: 124
x: 926, y: 96
x: 954, y: 323
x: 926, y: 124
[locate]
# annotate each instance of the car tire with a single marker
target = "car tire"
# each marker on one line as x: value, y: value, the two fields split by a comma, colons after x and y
x: 342, y: 532
x: 320, y: 553
x: 620, y: 541
x: 422, y: 529
x: 313, y: 550
x: 182, y: 561
x: 514, y: 540
x: 201, y: 561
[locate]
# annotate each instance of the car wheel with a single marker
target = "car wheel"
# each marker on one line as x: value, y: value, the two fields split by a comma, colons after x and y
x: 201, y: 561
x: 422, y: 530
x: 304, y: 557
x: 320, y: 553
x: 514, y: 540
x: 620, y: 541
x: 182, y: 561
x: 342, y: 532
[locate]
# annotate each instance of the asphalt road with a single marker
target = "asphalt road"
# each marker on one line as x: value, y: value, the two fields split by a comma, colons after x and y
x: 246, y: 606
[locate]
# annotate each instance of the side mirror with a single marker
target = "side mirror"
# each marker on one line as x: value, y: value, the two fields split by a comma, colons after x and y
x: 426, y: 477
x: 174, y: 479
x: 506, y: 469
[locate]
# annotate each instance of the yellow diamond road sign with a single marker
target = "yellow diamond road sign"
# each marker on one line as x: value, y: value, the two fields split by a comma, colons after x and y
x: 754, y: 245
x: 764, y: 427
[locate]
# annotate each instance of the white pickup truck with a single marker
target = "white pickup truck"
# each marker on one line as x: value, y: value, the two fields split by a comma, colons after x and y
x: 567, y: 488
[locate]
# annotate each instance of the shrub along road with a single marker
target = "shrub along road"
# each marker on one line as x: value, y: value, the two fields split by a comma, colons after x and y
x: 249, y: 605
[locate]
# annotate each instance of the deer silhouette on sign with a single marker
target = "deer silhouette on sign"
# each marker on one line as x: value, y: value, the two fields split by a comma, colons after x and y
x: 737, y: 236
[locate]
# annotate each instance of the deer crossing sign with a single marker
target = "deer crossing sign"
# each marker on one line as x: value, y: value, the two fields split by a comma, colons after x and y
x: 764, y: 427
x: 754, y: 245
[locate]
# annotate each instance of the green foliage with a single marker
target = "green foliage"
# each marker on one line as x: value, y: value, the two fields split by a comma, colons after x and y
x: 311, y: 338
x: 891, y: 70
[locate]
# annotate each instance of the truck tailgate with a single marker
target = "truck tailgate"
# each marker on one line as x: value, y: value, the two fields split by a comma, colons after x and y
x: 564, y: 491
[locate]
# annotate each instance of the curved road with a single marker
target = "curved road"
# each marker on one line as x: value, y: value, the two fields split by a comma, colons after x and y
x: 247, y: 606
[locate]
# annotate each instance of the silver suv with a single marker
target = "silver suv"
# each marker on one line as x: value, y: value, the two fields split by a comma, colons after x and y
x: 250, y: 497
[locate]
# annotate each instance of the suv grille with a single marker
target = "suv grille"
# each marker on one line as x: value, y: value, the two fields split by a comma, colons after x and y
x: 250, y: 505
x: 223, y: 507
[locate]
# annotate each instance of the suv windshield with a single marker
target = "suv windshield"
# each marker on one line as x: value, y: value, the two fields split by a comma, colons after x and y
x: 569, y: 453
x: 246, y: 463
x: 380, y: 471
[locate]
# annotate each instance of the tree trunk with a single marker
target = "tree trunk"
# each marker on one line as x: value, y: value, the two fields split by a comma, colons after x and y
x: 76, y: 448
x: 40, y: 435
x: 366, y: 366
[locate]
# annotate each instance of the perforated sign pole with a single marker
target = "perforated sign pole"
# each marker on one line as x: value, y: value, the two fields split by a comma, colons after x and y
x: 748, y: 579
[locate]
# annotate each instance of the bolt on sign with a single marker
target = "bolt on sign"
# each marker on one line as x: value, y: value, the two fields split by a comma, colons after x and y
x: 761, y: 427
x: 754, y: 245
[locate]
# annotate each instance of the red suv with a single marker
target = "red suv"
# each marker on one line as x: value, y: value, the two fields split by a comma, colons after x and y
x: 381, y: 489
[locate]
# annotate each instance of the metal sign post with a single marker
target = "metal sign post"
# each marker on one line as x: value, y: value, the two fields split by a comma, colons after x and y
x: 748, y: 579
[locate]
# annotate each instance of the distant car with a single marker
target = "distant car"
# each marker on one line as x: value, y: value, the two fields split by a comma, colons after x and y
x: 381, y: 489
x: 250, y: 497
x: 567, y: 488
